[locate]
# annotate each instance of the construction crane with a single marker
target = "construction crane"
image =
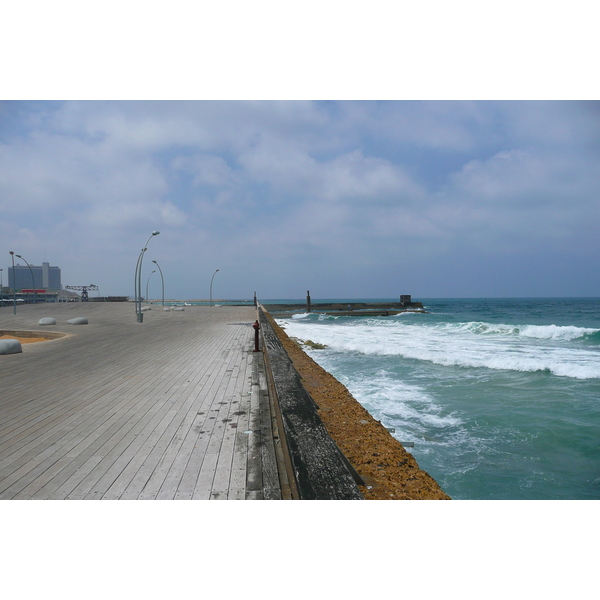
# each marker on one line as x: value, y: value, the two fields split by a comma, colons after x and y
x: 84, y: 290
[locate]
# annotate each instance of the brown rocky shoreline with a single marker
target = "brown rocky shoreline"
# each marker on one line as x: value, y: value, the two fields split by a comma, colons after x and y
x: 388, y: 470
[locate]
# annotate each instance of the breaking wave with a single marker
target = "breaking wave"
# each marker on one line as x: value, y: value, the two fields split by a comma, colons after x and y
x: 526, y: 348
x: 543, y: 332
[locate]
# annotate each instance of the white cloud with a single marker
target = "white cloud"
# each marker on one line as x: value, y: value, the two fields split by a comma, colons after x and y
x: 207, y: 169
x: 353, y: 176
x: 275, y: 186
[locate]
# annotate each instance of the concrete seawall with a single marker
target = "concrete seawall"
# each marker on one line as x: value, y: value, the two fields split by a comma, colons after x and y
x: 320, y: 470
x: 376, y: 463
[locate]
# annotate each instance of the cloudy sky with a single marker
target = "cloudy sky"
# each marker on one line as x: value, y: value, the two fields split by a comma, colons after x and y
x: 344, y: 198
x: 459, y: 158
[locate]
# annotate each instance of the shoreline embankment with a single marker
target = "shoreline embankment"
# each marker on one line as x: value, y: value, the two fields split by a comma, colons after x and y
x: 379, y: 465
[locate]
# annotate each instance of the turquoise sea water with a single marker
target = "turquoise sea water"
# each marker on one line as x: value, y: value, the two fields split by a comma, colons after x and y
x: 501, y: 397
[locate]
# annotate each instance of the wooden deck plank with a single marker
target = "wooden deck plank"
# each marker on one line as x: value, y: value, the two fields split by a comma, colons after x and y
x: 123, y: 457
x: 153, y: 435
x: 62, y: 417
x: 222, y: 402
x: 89, y: 437
x: 254, y: 476
x: 203, y: 422
x: 228, y: 476
x: 115, y: 409
x: 189, y: 436
x: 239, y: 464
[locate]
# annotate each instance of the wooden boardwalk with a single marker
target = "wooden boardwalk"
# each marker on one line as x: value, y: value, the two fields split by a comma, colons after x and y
x: 175, y: 407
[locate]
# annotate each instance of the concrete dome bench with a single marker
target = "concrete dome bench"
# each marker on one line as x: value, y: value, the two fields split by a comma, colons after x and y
x: 78, y: 321
x: 10, y: 346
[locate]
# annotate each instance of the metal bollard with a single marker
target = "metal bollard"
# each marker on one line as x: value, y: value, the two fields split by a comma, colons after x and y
x: 256, y: 328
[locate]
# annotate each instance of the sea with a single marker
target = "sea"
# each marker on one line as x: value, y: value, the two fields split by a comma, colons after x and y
x: 496, y: 398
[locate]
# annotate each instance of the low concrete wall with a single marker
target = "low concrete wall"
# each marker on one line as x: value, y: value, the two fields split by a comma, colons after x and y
x: 384, y: 469
x: 320, y: 470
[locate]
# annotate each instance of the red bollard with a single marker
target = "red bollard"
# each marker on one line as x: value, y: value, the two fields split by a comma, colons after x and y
x: 256, y: 328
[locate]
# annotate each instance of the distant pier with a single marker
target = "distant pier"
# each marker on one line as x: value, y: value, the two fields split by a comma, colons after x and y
x: 347, y: 309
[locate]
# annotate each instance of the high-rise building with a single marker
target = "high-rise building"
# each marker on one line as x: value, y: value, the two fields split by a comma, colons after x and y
x: 44, y: 277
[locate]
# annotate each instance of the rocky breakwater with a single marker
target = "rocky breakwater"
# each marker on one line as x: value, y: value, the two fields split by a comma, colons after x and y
x: 388, y: 471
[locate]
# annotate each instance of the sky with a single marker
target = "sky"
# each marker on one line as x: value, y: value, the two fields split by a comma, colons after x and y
x: 438, y: 151
x: 342, y: 198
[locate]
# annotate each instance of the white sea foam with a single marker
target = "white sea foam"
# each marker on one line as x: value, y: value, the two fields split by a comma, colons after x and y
x: 499, y: 396
x: 408, y: 408
x: 555, y: 332
x: 513, y: 348
x: 548, y: 332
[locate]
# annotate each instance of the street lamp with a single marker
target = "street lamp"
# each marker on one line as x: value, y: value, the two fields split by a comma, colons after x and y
x: 1, y: 290
x: 12, y: 254
x: 163, y: 282
x: 138, y: 280
x: 147, y: 282
x: 211, y: 285
x: 32, y: 277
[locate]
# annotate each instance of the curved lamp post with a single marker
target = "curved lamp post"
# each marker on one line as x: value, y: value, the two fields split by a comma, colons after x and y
x: 138, y: 280
x: 12, y: 254
x: 211, y: 285
x: 147, y: 282
x: 32, y: 277
x: 163, y: 282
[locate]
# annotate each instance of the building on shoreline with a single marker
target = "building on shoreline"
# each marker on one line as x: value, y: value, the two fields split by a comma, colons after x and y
x: 32, y: 277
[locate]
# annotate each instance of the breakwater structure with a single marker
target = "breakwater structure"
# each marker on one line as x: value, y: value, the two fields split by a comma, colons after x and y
x: 346, y: 309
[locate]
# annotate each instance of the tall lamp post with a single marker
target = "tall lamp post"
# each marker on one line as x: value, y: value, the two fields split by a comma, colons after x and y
x: 211, y: 281
x: 162, y: 280
x: 147, y: 282
x: 1, y: 289
x: 12, y: 254
x: 138, y: 280
x: 32, y: 277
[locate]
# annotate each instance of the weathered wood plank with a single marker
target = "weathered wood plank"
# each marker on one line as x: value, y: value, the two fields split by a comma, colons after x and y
x: 114, y: 410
